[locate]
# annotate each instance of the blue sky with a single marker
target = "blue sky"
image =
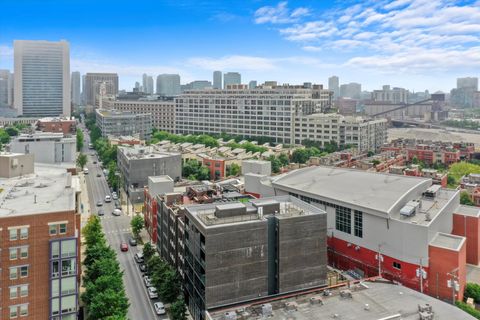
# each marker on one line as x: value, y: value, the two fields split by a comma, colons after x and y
x: 416, y: 44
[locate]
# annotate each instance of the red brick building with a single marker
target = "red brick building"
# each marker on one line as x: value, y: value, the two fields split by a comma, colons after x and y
x: 39, y: 247
x: 64, y: 125
x: 216, y: 167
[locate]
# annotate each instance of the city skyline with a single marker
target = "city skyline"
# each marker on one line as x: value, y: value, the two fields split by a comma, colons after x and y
x: 413, y: 44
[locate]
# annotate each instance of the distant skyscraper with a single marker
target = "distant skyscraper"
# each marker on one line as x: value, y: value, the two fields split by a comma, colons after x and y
x: 42, y: 78
x: 168, y: 85
x: 92, y: 86
x: 468, y: 82
x: 351, y: 90
x: 464, y: 96
x: 137, y: 85
x: 231, y: 78
x: 144, y: 81
x: 4, y: 87
x: 83, y: 90
x: 333, y: 84
x: 149, y: 88
x: 252, y: 84
x: 76, y: 88
x: 217, y: 79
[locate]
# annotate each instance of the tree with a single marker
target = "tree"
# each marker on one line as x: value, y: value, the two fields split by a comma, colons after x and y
x: 81, y: 160
x: 4, y: 137
x: 178, y: 310
x: 108, y: 303
x: 148, y: 251
x: 203, y: 173
x: 137, y: 225
x: 170, y: 286
x: 12, y: 131
x: 300, y: 156
x: 95, y: 134
x: 106, y: 265
x: 284, y: 160
x: 92, y: 231
x: 275, y: 162
x: 472, y: 290
x: 466, y: 199
x: 451, y: 180
x: 233, y: 170
x: 79, y: 139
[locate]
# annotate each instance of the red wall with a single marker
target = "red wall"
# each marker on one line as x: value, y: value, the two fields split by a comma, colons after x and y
x: 215, y: 165
x: 468, y: 227
x: 443, y: 261
x: 150, y: 216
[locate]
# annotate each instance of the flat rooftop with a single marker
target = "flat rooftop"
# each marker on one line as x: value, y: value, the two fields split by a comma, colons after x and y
x: 289, y: 207
x: 376, y: 191
x: 470, y: 211
x: 41, y: 192
x: 447, y: 241
x: 369, y: 301
x: 145, y: 152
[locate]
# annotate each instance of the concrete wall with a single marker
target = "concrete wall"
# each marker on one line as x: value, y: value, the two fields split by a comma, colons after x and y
x: 47, y: 151
x: 9, y: 169
x: 258, y: 167
x: 302, y: 252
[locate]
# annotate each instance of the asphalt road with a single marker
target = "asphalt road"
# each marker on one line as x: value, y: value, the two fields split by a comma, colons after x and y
x: 117, y: 230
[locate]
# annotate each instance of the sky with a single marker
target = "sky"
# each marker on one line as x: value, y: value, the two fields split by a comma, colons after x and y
x: 415, y: 44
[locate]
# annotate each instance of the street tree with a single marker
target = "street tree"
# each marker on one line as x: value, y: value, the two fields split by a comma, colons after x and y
x: 137, y: 225
x: 148, y: 251
x: 169, y: 288
x: 108, y: 303
x: 178, y: 310
x: 81, y: 160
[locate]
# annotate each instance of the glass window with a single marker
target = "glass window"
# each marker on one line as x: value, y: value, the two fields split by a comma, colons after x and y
x: 68, y: 304
x: 24, y: 252
x: 13, y: 292
x: 55, y: 287
x: 68, y: 267
x: 358, y: 224
x: 62, y: 228
x: 55, y: 250
x: 13, y: 312
x: 68, y: 285
x: 13, y: 273
x: 24, y: 290
x: 69, y: 248
x: 23, y: 310
x: 343, y: 219
x: 23, y: 233
x: 55, y: 269
x: 23, y: 271
x: 52, y: 229
x: 13, y: 234
x: 397, y: 265
x: 13, y: 253
x: 55, y: 306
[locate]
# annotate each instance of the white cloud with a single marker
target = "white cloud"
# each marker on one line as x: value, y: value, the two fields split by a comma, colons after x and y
x: 6, y: 51
x: 279, y: 14
x: 235, y: 62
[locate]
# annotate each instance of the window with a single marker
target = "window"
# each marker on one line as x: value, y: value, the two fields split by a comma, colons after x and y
x: 63, y: 228
x: 68, y: 267
x: 24, y: 290
x: 23, y: 310
x: 55, y: 250
x: 13, y: 234
x: 69, y: 248
x: 23, y: 271
x: 55, y: 306
x: 55, y: 269
x: 69, y: 304
x: 13, y: 292
x: 52, y: 229
x: 13, y: 253
x: 397, y: 265
x: 13, y: 273
x: 343, y: 219
x: 23, y: 252
x: 55, y: 287
x: 358, y: 223
x: 13, y: 312
x: 69, y: 285
x: 24, y: 233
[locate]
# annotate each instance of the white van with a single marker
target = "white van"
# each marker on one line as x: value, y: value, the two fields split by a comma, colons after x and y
x: 85, y: 171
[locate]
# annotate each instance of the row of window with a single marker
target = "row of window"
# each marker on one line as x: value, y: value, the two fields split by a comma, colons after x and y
x: 19, y: 291
x: 19, y: 310
x: 14, y: 233
x: 18, y: 252
x: 60, y: 228
x: 18, y: 271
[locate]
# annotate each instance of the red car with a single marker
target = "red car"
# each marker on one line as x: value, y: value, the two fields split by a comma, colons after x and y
x: 123, y: 246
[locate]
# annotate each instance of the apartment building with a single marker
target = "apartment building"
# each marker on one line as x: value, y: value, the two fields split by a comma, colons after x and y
x: 393, y: 95
x: 64, y: 125
x: 162, y: 112
x: 244, y: 251
x: 92, y: 84
x: 48, y: 147
x: 124, y: 123
x: 39, y: 245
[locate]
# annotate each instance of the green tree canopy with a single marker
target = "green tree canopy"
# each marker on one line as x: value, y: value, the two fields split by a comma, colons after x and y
x: 178, y: 310
x: 148, y: 251
x: 466, y: 199
x: 81, y: 160
x: 137, y: 225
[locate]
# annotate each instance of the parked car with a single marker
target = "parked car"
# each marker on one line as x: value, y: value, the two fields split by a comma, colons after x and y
x: 159, y: 308
x: 124, y: 246
x: 117, y: 212
x: 142, y: 267
x: 152, y: 293
x: 147, y: 281
x: 133, y: 242
x: 101, y: 212
x: 117, y: 204
x: 108, y: 198
x: 94, y: 162
x: 99, y: 203
x: 138, y: 257
x: 85, y: 171
x: 114, y: 196
x: 99, y: 175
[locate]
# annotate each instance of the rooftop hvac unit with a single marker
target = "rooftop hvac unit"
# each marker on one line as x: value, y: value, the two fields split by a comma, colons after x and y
x: 267, y: 309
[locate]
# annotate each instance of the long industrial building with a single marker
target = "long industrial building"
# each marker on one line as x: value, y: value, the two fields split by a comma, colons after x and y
x: 285, y: 114
x: 396, y: 226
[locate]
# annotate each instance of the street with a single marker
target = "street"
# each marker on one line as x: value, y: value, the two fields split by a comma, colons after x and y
x: 117, y: 230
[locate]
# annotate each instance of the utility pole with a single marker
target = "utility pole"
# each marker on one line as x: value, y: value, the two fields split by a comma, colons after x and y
x: 421, y: 276
x: 453, y: 282
x: 379, y: 260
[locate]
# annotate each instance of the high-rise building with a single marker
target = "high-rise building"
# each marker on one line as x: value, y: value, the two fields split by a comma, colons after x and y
x: 76, y: 88
x: 149, y: 88
x: 40, y: 230
x: 351, y: 90
x: 168, y: 85
x: 93, y: 82
x: 468, y: 82
x: 231, y: 78
x: 252, y: 84
x: 333, y: 85
x: 4, y: 87
x: 144, y: 81
x: 394, y: 95
x: 464, y: 96
x: 137, y: 85
x: 42, y: 78
x: 217, y: 79
x: 83, y: 89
